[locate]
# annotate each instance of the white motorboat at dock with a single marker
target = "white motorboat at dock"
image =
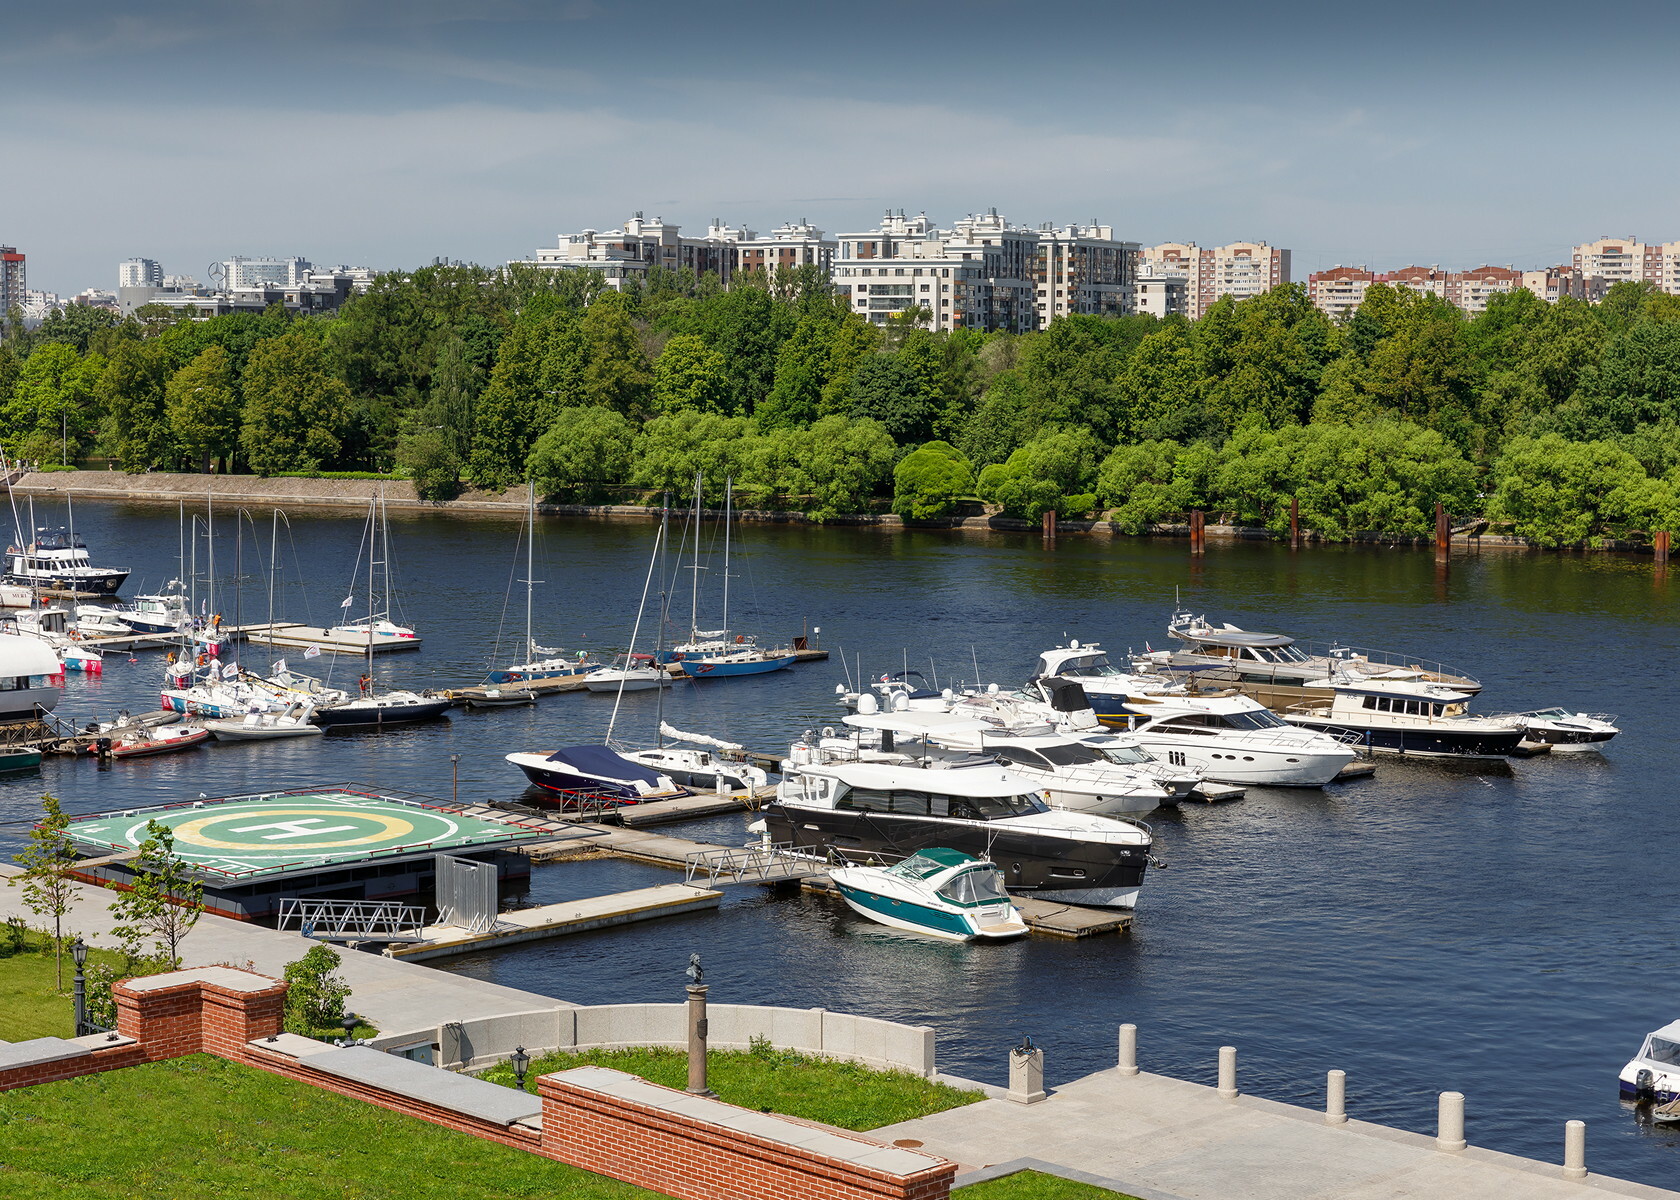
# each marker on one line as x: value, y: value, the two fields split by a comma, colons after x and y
x: 939, y: 892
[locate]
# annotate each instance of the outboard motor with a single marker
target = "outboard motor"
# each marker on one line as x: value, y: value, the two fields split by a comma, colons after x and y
x: 1644, y: 1087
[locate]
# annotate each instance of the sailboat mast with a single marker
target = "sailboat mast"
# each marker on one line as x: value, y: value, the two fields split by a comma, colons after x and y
x: 210, y: 551
x: 635, y: 630
x: 694, y: 597
x: 273, y: 544
x: 530, y: 558
x: 728, y: 499
x: 373, y: 532
x: 659, y: 630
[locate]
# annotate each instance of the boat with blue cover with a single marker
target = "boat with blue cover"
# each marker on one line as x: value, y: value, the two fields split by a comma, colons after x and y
x: 596, y: 771
x: 940, y: 892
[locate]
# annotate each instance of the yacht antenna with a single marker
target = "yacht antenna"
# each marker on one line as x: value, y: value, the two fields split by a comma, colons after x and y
x: 935, y: 671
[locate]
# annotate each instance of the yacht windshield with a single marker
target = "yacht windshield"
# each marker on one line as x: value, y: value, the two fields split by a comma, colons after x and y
x: 1088, y: 668
x: 1071, y: 755
x: 979, y: 886
x: 995, y: 808
x: 1259, y: 718
x: 1663, y: 1051
x: 1126, y: 754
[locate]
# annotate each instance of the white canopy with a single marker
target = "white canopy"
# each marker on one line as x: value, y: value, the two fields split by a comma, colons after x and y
x: 26, y: 656
x: 918, y: 724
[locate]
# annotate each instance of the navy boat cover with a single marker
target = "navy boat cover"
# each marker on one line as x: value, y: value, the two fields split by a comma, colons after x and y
x: 602, y: 763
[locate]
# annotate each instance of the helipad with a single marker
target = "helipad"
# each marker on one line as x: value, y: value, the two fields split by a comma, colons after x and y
x: 247, y: 838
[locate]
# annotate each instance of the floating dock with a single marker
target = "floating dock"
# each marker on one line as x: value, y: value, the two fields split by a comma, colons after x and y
x: 557, y: 920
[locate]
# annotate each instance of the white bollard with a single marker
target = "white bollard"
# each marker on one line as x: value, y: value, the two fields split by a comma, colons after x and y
x: 1026, y: 1074
x: 1128, y: 1050
x: 1227, y: 1072
x: 1574, y: 1149
x: 1335, y: 1098
x: 1449, y: 1122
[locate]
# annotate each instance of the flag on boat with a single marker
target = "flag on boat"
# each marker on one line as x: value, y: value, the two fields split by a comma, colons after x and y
x: 230, y: 670
x: 348, y: 600
x: 280, y: 667
x: 312, y: 652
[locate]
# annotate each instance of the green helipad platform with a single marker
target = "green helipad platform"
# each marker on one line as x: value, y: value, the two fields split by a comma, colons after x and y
x: 249, y: 838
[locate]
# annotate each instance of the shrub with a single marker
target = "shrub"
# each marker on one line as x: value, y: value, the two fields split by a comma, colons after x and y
x: 315, y: 1000
x: 929, y: 480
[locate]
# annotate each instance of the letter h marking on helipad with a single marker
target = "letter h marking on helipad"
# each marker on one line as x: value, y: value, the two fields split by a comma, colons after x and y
x: 307, y: 827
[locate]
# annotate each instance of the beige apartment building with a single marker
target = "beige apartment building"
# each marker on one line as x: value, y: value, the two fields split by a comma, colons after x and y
x: 628, y: 252
x: 1083, y: 269
x: 977, y: 275
x: 1340, y: 290
x: 1239, y: 270
x: 1162, y: 295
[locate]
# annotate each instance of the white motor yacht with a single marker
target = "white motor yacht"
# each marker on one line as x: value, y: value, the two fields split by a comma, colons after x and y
x: 56, y: 560
x: 1570, y: 732
x: 1410, y: 716
x: 1071, y: 775
x: 31, y: 678
x: 865, y: 810
x: 160, y: 612
x: 1234, y: 739
x: 940, y: 892
x: 633, y: 678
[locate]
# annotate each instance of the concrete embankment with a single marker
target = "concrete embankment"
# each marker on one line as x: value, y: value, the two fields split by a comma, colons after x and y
x: 162, y: 488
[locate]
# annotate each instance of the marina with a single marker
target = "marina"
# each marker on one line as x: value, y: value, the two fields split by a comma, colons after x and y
x: 1274, y: 894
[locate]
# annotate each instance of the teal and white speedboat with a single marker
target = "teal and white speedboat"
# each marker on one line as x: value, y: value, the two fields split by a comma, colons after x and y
x: 940, y: 892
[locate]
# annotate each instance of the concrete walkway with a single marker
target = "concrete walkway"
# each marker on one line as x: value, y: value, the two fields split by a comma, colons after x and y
x: 1164, y: 1139
x: 394, y: 996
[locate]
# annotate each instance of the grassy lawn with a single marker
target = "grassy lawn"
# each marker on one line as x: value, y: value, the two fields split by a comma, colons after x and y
x: 1034, y: 1185
x: 795, y: 1085
x: 200, y: 1126
x: 30, y: 1007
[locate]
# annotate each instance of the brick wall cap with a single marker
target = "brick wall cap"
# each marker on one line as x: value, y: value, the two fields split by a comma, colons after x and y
x: 226, y: 978
x: 444, y: 1089
x: 848, y: 1148
x: 292, y: 1045
x: 103, y: 1041
x: 39, y: 1050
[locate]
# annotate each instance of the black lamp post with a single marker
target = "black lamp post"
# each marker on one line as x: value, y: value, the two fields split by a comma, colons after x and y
x: 349, y: 1024
x: 78, y: 952
x: 519, y: 1061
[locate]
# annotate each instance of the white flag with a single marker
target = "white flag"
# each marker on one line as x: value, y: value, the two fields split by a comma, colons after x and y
x: 280, y: 667
x: 312, y: 652
x: 230, y: 670
x: 348, y: 600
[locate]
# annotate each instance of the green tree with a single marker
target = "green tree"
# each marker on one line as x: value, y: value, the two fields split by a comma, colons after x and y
x: 928, y: 482
x: 887, y: 388
x: 54, y: 403
x: 131, y: 395
x: 838, y: 463
x: 673, y: 447
x: 295, y: 409
x: 48, y: 889
x: 204, y: 409
x: 163, y: 903
x: 539, y: 370
x: 616, y: 373
x: 1056, y: 470
x: 583, y: 452
x: 1161, y: 387
x: 430, y: 462
x: 1560, y: 493
x: 690, y: 375
x: 315, y: 992
x: 1140, y: 483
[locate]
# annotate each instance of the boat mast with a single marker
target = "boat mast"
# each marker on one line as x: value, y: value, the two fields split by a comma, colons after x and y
x: 728, y: 498
x: 659, y: 630
x: 273, y: 544
x: 210, y: 551
x: 530, y: 569
x: 373, y: 532
x: 635, y: 630
x: 694, y: 597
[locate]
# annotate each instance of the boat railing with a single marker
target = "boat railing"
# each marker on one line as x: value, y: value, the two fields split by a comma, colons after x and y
x: 1286, y: 736
x: 1384, y: 660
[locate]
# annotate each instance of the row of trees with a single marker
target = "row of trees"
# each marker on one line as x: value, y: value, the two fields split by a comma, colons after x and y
x: 1560, y: 418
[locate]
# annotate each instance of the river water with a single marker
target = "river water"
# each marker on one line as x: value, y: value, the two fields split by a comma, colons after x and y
x: 1496, y: 930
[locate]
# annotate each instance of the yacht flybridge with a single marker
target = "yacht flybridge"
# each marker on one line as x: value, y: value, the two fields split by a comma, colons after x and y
x: 30, y: 678
x: 865, y: 810
x: 1279, y: 671
x: 1112, y: 692
x: 1234, y: 739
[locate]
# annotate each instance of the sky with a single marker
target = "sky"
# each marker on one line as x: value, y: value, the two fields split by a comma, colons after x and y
x: 388, y: 133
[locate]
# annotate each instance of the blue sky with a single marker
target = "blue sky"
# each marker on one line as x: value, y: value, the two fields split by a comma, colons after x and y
x: 387, y: 134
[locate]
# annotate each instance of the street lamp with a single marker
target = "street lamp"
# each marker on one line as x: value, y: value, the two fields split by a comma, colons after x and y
x: 519, y: 1061
x: 78, y: 952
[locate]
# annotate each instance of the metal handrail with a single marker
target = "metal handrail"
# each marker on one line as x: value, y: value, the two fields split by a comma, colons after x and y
x: 353, y: 920
x: 760, y: 862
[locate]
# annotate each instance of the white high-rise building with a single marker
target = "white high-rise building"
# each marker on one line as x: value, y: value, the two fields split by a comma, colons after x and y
x: 139, y: 272
x: 240, y: 272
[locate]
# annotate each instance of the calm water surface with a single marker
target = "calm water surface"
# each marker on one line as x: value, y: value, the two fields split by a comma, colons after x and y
x: 1498, y: 930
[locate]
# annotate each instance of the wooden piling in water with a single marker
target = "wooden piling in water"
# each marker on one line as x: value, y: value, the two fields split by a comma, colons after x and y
x: 1294, y: 522
x: 1049, y: 523
x: 1443, y: 533
x: 1198, y: 531
x: 1659, y: 547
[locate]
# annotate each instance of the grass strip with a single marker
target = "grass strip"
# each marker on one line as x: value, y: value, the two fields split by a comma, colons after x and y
x: 1035, y: 1185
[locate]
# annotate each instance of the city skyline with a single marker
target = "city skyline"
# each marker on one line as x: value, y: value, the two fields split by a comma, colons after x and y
x: 392, y: 134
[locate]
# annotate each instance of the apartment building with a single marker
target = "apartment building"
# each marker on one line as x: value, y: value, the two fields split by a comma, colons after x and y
x: 1161, y: 295
x: 1618, y: 259
x: 1340, y: 290
x: 796, y: 244
x: 14, y: 280
x: 977, y: 275
x: 139, y: 272
x: 1084, y: 269
x: 1238, y: 269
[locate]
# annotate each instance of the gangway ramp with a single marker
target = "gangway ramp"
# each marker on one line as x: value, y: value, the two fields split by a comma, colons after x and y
x: 721, y: 866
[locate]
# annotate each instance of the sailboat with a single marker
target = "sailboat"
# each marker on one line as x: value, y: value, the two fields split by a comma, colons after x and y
x: 552, y: 665
x: 377, y: 628
x: 600, y: 770
x: 374, y: 707
x: 714, y: 653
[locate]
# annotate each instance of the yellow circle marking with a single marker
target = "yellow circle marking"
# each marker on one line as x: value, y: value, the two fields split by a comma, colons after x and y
x: 192, y: 831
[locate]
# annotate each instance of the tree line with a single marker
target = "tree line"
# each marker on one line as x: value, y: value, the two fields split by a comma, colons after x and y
x: 1562, y: 420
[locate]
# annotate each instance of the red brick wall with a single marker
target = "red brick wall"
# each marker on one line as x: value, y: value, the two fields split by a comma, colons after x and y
x: 126, y: 1055
x: 668, y: 1152
x: 194, y: 1016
